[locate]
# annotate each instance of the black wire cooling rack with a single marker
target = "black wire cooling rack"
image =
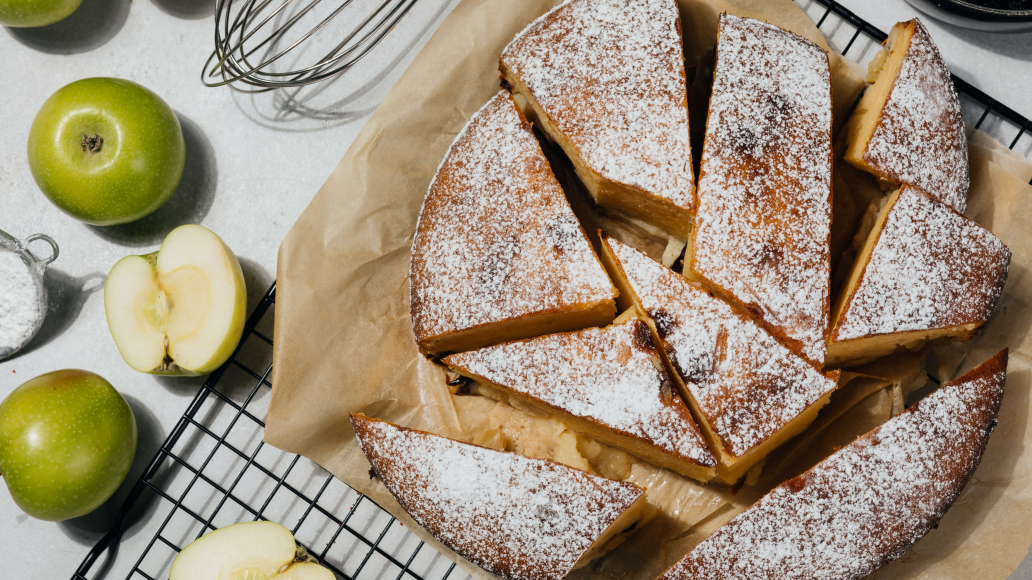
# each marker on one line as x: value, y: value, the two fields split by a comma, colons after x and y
x: 214, y: 470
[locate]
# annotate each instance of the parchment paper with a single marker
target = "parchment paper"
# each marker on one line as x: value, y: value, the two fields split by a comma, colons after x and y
x: 343, y: 340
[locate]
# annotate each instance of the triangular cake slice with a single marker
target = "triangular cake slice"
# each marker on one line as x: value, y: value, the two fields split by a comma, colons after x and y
x: 926, y: 272
x: 763, y: 227
x: 520, y: 518
x: 865, y: 505
x: 908, y: 128
x: 498, y: 254
x: 609, y: 383
x: 748, y: 391
x: 605, y: 80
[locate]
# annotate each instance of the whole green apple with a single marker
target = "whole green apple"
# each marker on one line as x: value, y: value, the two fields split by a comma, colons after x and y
x: 106, y: 151
x: 32, y: 13
x: 67, y: 440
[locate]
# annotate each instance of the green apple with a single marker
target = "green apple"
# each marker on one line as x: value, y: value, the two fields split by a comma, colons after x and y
x: 106, y: 151
x: 32, y: 13
x: 180, y: 310
x: 67, y: 439
x: 247, y: 551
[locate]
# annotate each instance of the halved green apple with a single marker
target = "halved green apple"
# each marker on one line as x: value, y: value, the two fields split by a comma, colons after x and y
x: 247, y: 551
x: 180, y: 310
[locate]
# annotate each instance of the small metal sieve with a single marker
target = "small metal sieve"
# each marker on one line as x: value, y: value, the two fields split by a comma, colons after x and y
x: 36, y: 268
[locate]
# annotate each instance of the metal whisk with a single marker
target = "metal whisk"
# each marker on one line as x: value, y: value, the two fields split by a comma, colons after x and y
x: 251, y: 36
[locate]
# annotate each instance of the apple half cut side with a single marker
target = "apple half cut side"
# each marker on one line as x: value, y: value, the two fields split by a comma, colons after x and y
x: 247, y: 551
x: 180, y: 310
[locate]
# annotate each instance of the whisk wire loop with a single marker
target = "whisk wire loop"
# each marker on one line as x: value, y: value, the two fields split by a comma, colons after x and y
x: 251, y: 36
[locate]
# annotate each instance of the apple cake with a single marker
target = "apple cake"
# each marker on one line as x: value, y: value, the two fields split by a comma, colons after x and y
x: 605, y: 80
x: 763, y: 224
x: 865, y: 505
x: 520, y: 518
x: 908, y: 128
x: 749, y: 392
x: 926, y: 272
x: 609, y: 383
x: 498, y: 254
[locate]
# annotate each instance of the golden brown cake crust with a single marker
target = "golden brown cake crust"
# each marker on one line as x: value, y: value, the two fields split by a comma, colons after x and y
x: 496, y: 239
x: 520, y: 518
x: 762, y: 228
x: 609, y: 74
x: 866, y: 504
x: 930, y: 268
x: 608, y: 376
x: 920, y: 138
x: 746, y: 384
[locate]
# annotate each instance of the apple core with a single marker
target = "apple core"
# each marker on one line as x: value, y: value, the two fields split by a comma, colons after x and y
x: 180, y: 310
x: 247, y: 551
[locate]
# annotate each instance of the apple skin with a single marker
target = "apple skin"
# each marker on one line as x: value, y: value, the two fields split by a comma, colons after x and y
x: 137, y: 165
x: 33, y: 13
x: 67, y: 440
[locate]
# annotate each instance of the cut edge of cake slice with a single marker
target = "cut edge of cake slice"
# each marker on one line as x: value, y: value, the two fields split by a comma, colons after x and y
x: 882, y: 72
x: 450, y: 314
x: 539, y: 324
x: 730, y: 468
x: 622, y: 198
x: 874, y: 344
x: 438, y: 481
x: 619, y: 392
x: 946, y: 175
x: 866, y: 504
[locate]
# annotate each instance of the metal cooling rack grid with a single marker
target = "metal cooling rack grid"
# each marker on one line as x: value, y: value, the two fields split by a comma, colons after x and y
x: 214, y: 469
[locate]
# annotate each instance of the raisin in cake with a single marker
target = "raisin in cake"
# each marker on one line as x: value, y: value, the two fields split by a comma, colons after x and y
x: 498, y: 254
x: 762, y: 230
x: 926, y: 272
x: 908, y: 128
x: 609, y: 383
x: 748, y: 391
x: 866, y: 504
x: 605, y: 80
x: 520, y: 518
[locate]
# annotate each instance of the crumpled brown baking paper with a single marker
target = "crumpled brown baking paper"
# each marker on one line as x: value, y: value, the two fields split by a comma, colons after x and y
x: 343, y: 340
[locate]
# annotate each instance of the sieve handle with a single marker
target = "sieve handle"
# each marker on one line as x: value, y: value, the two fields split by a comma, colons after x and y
x: 49, y: 240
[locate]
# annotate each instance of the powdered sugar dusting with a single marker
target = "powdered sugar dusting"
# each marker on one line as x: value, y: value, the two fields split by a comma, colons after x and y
x: 496, y: 238
x: 612, y: 376
x: 515, y: 516
x: 19, y: 302
x: 930, y: 268
x: 920, y: 136
x: 763, y: 224
x: 865, y: 505
x: 745, y: 382
x: 610, y: 76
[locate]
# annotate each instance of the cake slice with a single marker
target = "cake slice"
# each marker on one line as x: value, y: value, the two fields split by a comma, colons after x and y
x: 609, y: 383
x: 926, y: 272
x: 748, y: 392
x: 520, y: 518
x: 605, y: 80
x: 498, y: 254
x: 865, y: 505
x: 908, y: 128
x: 763, y: 227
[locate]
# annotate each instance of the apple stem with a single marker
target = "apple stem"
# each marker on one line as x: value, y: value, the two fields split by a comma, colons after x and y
x: 92, y: 144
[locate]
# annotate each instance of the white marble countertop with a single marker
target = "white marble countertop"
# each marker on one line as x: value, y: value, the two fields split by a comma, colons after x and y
x: 251, y: 170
